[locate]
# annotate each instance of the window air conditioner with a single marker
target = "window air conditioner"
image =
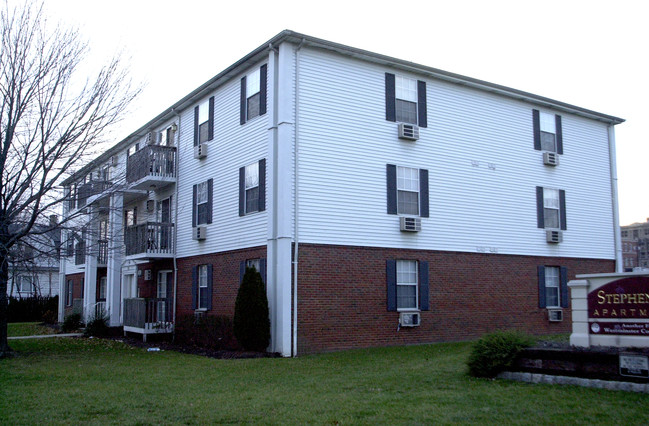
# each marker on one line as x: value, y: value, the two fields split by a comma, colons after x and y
x: 408, y: 131
x: 199, y: 233
x: 550, y: 158
x: 555, y: 315
x: 410, y: 224
x: 200, y: 151
x: 151, y: 138
x: 553, y: 236
x: 409, y: 319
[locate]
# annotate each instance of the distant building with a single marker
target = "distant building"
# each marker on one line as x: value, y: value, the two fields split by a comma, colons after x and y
x: 635, y: 245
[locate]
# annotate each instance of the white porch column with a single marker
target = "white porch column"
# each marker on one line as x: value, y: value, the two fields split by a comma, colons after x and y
x: 579, y: 296
x: 90, y: 275
x: 114, y: 261
x: 279, y: 194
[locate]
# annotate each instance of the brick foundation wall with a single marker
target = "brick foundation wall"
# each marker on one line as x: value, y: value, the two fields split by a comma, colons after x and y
x: 342, y: 296
x: 225, y: 279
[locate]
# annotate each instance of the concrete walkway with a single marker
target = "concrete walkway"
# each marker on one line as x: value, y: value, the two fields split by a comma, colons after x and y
x: 43, y: 336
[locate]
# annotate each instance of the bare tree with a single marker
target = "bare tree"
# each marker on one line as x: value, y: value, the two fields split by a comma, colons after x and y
x: 51, y: 118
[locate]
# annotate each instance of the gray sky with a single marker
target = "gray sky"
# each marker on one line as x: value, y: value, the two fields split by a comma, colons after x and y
x: 592, y: 54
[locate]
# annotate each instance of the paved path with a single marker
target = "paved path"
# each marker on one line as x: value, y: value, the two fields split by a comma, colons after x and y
x: 43, y: 336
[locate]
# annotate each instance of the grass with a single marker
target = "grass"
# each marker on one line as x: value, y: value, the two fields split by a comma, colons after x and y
x: 71, y: 380
x: 28, y: 329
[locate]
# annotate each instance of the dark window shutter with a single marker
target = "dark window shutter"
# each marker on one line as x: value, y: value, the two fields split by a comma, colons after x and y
x: 391, y: 271
x: 391, y: 177
x: 242, y: 191
x: 540, y: 220
x: 421, y: 104
x: 562, y: 209
x: 536, y: 120
x: 210, y: 125
x: 210, y: 187
x: 209, y: 287
x: 390, y: 98
x: 262, y: 185
x: 563, y: 280
x: 242, y: 106
x: 559, y: 134
x: 541, y: 275
x: 423, y: 193
x: 242, y: 270
x: 263, y: 72
x: 194, y: 287
x: 423, y: 286
x: 196, y: 126
x: 262, y: 266
x: 194, y: 207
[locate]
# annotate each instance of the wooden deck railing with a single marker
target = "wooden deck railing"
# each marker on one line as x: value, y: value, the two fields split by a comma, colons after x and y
x: 151, y: 237
x: 152, y: 160
x: 147, y: 313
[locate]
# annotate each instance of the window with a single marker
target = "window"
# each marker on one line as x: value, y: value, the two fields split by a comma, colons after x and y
x: 202, y: 287
x: 551, y: 208
x: 407, y: 190
x: 252, y: 188
x: 202, y: 203
x: 102, y: 289
x: 253, y: 94
x: 405, y: 100
x: 625, y: 234
x: 547, y: 132
x: 407, y: 285
x: 259, y: 264
x: 635, y: 233
x: 167, y: 136
x: 25, y: 284
x: 130, y: 216
x: 203, y: 122
x: 553, y: 287
x: 133, y: 149
x: 68, y: 293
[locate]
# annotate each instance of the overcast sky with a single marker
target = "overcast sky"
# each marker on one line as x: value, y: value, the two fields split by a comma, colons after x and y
x: 592, y: 54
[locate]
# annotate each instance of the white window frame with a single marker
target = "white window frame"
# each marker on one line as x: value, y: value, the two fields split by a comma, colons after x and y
x: 201, y: 286
x: 253, y: 87
x: 251, y: 182
x: 202, y: 197
x: 103, y: 287
x: 254, y: 263
x: 407, y: 182
x: 551, y: 203
x: 548, y: 127
x: 552, y: 284
x: 406, y: 271
x: 21, y: 280
x: 406, y: 90
x: 203, y: 119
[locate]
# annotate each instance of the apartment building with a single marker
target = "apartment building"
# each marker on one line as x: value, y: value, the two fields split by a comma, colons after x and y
x: 635, y: 243
x: 384, y: 202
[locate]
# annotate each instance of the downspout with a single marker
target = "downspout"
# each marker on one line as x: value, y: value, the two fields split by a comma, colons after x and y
x: 295, y: 198
x: 619, y: 265
x: 176, y: 223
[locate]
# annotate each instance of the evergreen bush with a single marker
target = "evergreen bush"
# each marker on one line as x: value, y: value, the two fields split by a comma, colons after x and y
x: 251, y: 317
x: 71, y: 323
x: 97, y: 327
x: 495, y: 352
x: 213, y: 332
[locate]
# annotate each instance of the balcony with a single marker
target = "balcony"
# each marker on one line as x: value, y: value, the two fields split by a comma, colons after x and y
x: 148, y: 316
x: 152, y: 167
x: 151, y: 240
x: 91, y: 189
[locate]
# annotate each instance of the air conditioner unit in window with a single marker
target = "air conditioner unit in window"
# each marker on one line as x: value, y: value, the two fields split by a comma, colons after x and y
x: 199, y: 233
x: 409, y: 319
x: 555, y: 315
x: 410, y: 224
x: 554, y: 236
x: 408, y: 131
x: 151, y: 138
x: 550, y: 158
x: 200, y: 150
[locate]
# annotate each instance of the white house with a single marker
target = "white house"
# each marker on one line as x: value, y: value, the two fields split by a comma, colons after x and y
x: 385, y: 202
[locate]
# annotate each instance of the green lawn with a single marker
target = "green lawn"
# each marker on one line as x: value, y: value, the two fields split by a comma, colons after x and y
x: 28, y: 329
x: 73, y: 380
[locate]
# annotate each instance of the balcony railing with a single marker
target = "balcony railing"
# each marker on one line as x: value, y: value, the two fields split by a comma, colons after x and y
x: 154, y: 161
x: 89, y: 189
x: 80, y: 254
x: 151, y: 238
x: 102, y: 253
x: 148, y: 313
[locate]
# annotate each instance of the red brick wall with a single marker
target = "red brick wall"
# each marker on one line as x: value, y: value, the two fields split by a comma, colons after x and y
x: 149, y: 288
x: 225, y: 279
x: 342, y: 296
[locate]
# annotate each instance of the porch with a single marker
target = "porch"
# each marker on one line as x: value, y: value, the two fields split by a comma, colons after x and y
x: 153, y: 166
x: 148, y: 316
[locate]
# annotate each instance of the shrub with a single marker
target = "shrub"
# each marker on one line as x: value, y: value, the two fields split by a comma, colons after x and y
x: 251, y: 318
x: 97, y: 327
x: 495, y: 352
x: 50, y: 317
x: 71, y: 322
x: 211, y: 332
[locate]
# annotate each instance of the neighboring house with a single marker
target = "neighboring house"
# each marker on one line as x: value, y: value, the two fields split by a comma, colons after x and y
x: 384, y: 202
x: 34, y: 264
x: 635, y: 238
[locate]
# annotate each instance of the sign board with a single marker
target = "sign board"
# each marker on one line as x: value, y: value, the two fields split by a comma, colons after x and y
x: 634, y: 365
x: 623, y: 304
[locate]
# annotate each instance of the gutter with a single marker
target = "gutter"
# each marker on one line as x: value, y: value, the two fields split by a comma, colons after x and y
x: 619, y: 261
x: 176, y: 222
